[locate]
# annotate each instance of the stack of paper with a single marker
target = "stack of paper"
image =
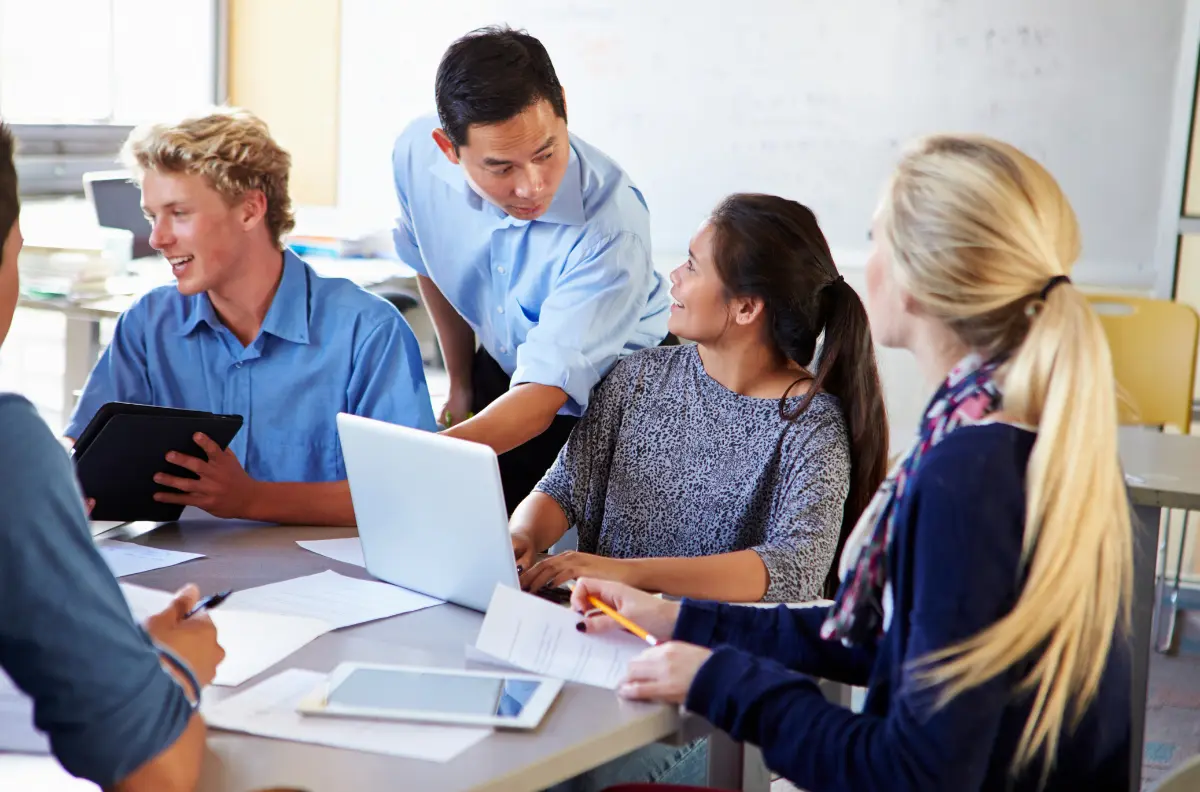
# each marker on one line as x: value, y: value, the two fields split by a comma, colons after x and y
x: 269, y: 710
x: 66, y: 271
x: 98, y: 527
x: 338, y: 600
x: 17, y: 733
x: 536, y: 635
x: 258, y: 627
x: 348, y: 551
x: 253, y: 642
x: 127, y: 558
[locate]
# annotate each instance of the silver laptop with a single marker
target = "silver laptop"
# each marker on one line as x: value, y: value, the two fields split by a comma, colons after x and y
x: 430, y: 511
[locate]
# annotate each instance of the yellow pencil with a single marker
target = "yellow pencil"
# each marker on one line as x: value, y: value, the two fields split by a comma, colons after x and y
x: 621, y: 620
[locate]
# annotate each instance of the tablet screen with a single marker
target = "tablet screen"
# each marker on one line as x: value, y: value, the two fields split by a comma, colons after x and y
x: 387, y: 689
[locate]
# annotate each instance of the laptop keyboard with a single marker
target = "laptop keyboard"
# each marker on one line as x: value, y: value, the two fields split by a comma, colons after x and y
x: 559, y: 595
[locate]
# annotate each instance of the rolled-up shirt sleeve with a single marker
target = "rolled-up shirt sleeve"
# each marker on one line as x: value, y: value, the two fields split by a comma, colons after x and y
x: 586, y: 319
x: 67, y: 638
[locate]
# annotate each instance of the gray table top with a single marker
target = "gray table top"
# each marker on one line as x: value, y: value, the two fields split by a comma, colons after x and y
x: 586, y: 726
x: 1161, y: 469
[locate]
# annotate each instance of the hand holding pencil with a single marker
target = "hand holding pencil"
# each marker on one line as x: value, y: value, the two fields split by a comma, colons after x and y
x: 665, y: 671
x: 607, y: 605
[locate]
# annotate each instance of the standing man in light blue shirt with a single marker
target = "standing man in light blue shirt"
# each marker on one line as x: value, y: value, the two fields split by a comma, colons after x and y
x: 528, y: 240
x: 250, y: 329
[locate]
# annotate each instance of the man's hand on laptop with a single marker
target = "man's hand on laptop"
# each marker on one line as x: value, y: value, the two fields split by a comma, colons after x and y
x: 223, y: 488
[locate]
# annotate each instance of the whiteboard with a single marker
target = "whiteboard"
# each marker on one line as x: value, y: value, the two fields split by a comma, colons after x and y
x: 808, y: 99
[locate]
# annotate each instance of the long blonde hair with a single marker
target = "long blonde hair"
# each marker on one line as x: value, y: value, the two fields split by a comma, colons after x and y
x: 976, y: 230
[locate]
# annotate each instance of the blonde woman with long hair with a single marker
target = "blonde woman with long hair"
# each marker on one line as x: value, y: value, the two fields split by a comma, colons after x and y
x: 985, y: 591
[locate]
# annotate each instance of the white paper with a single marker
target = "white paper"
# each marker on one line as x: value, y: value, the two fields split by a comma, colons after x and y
x: 335, y: 599
x: 127, y: 558
x: 539, y: 636
x: 42, y: 773
x: 253, y: 642
x: 269, y: 710
x: 17, y: 733
x: 145, y: 602
x: 348, y: 551
x: 98, y: 527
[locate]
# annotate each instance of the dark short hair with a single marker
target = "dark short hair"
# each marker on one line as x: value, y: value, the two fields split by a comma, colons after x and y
x: 489, y: 76
x: 10, y: 206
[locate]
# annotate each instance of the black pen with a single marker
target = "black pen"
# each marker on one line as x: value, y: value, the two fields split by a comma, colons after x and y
x: 208, y: 603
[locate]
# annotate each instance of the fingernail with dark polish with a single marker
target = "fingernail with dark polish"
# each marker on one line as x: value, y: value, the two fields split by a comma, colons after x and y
x: 520, y: 569
x: 581, y: 626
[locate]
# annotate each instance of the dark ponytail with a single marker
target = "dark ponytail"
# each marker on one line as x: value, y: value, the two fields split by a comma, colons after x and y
x: 772, y: 248
x: 847, y: 369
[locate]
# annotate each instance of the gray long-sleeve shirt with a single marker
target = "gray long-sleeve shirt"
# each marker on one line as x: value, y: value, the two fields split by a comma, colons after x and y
x: 667, y: 462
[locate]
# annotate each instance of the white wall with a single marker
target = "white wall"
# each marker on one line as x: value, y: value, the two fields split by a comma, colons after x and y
x: 812, y: 100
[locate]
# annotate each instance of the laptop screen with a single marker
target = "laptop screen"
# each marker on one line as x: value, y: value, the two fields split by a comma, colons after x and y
x: 118, y: 204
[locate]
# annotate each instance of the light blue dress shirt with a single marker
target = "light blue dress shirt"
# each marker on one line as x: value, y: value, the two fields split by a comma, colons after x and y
x: 557, y: 300
x: 326, y: 346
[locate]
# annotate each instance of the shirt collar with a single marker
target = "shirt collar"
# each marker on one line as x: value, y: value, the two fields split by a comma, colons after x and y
x: 287, y: 318
x: 565, y: 209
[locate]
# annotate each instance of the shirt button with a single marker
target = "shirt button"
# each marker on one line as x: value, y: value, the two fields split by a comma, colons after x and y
x: 503, y: 350
x: 237, y: 365
x: 500, y: 269
x: 500, y: 309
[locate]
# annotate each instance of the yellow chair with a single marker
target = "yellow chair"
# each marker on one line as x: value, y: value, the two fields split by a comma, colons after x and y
x: 1153, y: 345
x: 1184, y: 778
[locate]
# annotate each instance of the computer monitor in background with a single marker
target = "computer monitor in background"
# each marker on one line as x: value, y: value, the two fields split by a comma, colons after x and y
x: 118, y: 204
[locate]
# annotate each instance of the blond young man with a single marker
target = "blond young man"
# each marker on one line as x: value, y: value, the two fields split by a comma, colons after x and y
x: 250, y: 329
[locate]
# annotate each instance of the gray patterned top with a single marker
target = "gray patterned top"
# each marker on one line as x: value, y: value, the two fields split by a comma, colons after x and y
x: 667, y: 462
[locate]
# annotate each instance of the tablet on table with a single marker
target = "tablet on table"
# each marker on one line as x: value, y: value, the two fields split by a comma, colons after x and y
x: 434, y: 695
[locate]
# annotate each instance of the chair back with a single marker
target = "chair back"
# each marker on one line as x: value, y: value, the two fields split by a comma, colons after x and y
x: 1184, y: 778
x: 1153, y: 345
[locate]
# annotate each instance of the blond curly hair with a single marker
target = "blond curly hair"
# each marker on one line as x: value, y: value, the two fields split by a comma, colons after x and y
x: 232, y: 148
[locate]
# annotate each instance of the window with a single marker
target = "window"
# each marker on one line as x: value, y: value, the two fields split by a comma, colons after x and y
x: 76, y: 74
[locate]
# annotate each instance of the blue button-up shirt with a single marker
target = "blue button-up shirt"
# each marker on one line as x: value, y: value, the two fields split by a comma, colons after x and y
x: 555, y: 300
x: 326, y: 346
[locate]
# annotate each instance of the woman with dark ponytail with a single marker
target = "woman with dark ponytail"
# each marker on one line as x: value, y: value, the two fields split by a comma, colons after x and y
x: 732, y: 469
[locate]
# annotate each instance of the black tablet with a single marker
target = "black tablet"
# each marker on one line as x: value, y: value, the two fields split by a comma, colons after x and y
x: 124, y: 445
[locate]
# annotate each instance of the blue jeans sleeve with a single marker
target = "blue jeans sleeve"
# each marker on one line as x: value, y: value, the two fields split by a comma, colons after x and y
x: 67, y: 638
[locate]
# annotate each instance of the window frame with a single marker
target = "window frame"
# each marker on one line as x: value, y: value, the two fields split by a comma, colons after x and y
x: 52, y: 158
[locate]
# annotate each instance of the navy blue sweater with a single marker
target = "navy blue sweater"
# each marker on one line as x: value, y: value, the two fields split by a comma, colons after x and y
x: 955, y: 569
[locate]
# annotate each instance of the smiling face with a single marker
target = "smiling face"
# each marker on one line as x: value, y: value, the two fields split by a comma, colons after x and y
x: 700, y: 309
x: 197, y: 232
x: 516, y: 164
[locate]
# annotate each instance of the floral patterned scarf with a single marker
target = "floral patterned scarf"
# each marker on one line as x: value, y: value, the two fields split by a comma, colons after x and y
x: 862, y: 610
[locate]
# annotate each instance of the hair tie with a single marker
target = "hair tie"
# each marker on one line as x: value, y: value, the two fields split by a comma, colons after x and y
x: 1050, y: 284
x: 835, y: 281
